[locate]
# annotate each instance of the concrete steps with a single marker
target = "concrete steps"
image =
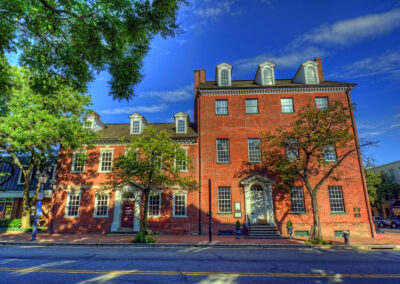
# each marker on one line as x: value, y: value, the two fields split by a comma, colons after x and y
x: 264, y: 231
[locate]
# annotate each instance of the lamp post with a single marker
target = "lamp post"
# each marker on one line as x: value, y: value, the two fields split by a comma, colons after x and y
x: 42, y: 179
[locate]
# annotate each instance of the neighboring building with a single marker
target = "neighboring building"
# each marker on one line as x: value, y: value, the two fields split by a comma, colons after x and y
x: 392, y: 171
x: 229, y: 119
x: 12, y: 190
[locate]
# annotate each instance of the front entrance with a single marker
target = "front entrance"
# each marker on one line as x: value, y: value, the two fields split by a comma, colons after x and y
x: 258, y: 206
x: 128, y: 209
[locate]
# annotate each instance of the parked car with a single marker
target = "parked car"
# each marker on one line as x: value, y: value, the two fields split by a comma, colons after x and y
x: 392, y: 221
x: 379, y: 221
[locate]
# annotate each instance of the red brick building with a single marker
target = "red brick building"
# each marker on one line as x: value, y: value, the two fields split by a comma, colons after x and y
x: 230, y: 117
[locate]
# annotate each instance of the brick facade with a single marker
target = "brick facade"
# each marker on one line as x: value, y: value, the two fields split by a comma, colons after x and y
x: 237, y: 127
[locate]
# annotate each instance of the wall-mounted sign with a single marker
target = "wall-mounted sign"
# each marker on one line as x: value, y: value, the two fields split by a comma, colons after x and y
x: 237, y: 206
x: 238, y: 214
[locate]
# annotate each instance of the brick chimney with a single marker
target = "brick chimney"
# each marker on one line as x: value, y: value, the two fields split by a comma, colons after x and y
x: 199, y: 77
x: 320, y: 72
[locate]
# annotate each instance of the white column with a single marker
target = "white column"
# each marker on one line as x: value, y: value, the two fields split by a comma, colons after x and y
x: 116, y: 224
x: 270, y: 205
x: 247, y: 201
x: 136, y: 219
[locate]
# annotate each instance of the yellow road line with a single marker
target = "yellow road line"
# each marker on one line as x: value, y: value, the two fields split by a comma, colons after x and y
x: 189, y: 273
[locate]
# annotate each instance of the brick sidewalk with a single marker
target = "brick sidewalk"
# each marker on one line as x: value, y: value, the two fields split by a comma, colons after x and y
x: 384, y: 239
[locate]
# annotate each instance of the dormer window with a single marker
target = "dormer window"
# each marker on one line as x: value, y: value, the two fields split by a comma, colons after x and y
x: 135, y: 127
x: 181, y: 122
x: 88, y: 124
x: 223, y: 74
x: 92, y: 122
x: 311, y: 75
x: 138, y: 122
x: 265, y: 74
x: 307, y: 73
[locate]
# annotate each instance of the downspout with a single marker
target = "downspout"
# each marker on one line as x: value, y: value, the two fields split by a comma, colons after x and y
x: 361, y: 166
x: 199, y: 157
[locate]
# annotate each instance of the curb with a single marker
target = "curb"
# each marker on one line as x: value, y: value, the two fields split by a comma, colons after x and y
x: 207, y: 245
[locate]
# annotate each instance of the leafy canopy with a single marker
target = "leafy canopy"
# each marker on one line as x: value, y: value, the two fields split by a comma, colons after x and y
x: 73, y: 39
x: 380, y: 187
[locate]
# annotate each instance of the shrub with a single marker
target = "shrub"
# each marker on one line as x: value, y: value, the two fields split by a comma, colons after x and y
x: 317, y: 241
x: 238, y: 224
x: 289, y: 224
x: 15, y: 223
x: 146, y: 237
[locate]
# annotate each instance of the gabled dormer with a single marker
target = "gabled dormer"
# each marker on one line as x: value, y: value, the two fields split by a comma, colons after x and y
x: 307, y: 73
x: 182, y: 122
x: 223, y: 74
x: 138, y: 123
x: 93, y: 122
x: 265, y: 74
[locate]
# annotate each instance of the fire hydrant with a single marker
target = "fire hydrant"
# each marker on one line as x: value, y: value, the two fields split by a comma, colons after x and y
x: 346, y: 237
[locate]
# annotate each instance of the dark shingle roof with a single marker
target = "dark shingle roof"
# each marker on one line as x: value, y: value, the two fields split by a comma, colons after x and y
x: 116, y: 131
x: 278, y: 83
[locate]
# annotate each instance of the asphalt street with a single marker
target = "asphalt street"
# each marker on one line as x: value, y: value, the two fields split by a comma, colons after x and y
x: 196, y: 265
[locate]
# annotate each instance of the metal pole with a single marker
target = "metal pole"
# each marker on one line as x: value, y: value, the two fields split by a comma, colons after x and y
x: 210, y: 213
x: 38, y: 208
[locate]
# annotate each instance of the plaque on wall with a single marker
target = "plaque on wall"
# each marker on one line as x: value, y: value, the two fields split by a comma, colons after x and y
x: 237, y: 206
x: 238, y: 214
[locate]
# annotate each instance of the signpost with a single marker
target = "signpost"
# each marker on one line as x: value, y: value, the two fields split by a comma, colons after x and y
x: 42, y: 179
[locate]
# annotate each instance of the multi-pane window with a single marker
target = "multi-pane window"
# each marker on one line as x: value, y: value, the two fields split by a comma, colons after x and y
x: 251, y: 106
x: 329, y: 153
x: 155, y: 205
x: 292, y: 150
x: 181, y: 163
x: 287, y: 105
x: 181, y: 126
x: 135, y: 127
x: 157, y: 161
x: 101, y: 205
x: 224, y: 77
x: 297, y: 199
x: 268, y: 76
x: 179, y: 204
x: 221, y: 107
x: 78, y: 162
x: 73, y: 203
x: 224, y: 200
x: 88, y: 124
x: 336, y: 198
x: 254, y: 150
x: 311, y: 76
x: 223, y: 151
x: 6, y: 205
x: 321, y: 102
x: 106, y: 158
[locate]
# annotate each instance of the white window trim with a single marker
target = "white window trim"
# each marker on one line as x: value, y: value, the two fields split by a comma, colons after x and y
x: 307, y: 78
x: 140, y: 126
x: 73, y: 163
x: 173, y: 204
x: 185, y: 171
x: 20, y: 177
x: 67, y: 206
x: 91, y: 120
x: 101, y: 160
x: 95, y: 205
x: 159, y: 204
x: 184, y: 125
x: 248, y: 149
x: 272, y: 73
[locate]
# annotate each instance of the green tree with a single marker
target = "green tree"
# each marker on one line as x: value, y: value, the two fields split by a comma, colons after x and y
x: 32, y: 126
x: 380, y: 188
x: 317, y: 142
x: 149, y: 163
x: 74, y: 39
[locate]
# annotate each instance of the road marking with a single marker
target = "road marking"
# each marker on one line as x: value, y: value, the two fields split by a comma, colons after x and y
x: 196, y: 273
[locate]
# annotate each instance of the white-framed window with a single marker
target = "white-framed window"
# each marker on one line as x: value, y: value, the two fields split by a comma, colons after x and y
x: 321, y: 102
x: 223, y: 151
x: 135, y: 127
x: 311, y: 75
x: 21, y: 177
x: 292, y: 150
x: 329, y: 152
x: 267, y: 76
x: 181, y: 164
x: 106, y: 160
x: 179, y: 205
x: 73, y: 204
x: 224, y: 77
x: 157, y: 161
x: 251, y: 106
x: 88, y: 124
x: 155, y: 204
x: 101, y: 205
x: 287, y: 105
x: 254, y: 150
x: 336, y: 198
x: 221, y: 107
x: 6, y: 205
x: 181, y: 126
x: 224, y: 200
x: 297, y: 199
x: 78, y: 162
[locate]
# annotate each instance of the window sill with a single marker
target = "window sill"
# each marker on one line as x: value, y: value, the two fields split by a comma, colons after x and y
x: 154, y: 217
x: 104, y: 172
x: 100, y: 216
x: 179, y: 216
x: 338, y: 213
x: 226, y: 163
x: 288, y: 112
x: 221, y: 114
x: 255, y: 162
x: 224, y: 213
x: 298, y: 213
x: 77, y: 172
x: 71, y: 216
x: 252, y: 113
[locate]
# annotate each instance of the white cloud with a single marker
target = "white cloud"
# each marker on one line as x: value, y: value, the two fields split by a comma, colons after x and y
x: 288, y: 60
x: 354, y: 30
x: 140, y: 109
x: 179, y: 94
x: 387, y: 63
x: 220, y: 8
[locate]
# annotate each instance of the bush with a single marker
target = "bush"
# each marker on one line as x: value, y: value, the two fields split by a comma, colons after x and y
x: 289, y: 224
x: 146, y: 237
x: 238, y: 224
x: 317, y: 241
x: 8, y: 224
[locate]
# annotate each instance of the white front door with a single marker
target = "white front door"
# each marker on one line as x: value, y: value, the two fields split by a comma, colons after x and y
x: 257, y: 203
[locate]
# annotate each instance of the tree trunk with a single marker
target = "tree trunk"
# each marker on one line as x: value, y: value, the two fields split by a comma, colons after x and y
x: 316, y: 233
x: 26, y: 207
x: 143, y: 223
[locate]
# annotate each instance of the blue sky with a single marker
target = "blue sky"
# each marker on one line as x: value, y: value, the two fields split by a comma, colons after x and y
x: 358, y: 41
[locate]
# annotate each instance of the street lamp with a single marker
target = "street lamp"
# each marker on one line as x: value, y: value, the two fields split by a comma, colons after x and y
x: 42, y: 179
